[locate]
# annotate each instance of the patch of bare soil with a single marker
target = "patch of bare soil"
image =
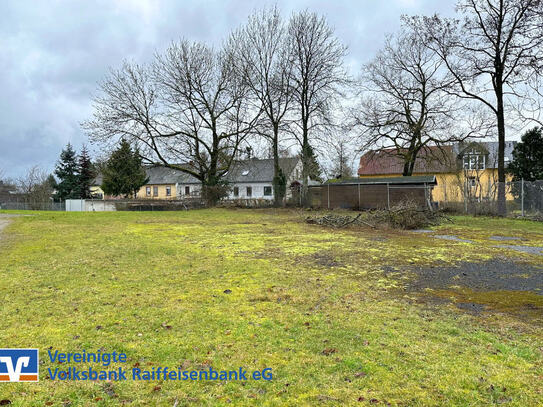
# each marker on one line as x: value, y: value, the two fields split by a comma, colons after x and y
x: 326, y: 260
x: 4, y: 221
x: 497, y: 285
x: 494, y: 275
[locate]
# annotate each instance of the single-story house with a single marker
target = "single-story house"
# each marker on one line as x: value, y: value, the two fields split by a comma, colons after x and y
x: 372, y: 193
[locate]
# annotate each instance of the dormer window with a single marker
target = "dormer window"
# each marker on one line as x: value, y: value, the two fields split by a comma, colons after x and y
x: 474, y: 160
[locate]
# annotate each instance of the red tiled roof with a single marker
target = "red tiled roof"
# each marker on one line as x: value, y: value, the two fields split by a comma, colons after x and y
x: 429, y: 161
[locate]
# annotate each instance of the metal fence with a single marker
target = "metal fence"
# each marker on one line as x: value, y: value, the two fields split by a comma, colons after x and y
x: 523, y: 198
x: 33, y: 206
x: 368, y: 196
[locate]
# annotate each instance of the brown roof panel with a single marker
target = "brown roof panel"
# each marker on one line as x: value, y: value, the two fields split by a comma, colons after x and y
x: 429, y: 161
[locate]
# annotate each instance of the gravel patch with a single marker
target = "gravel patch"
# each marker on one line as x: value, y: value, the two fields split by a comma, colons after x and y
x: 422, y: 231
x: 504, y: 238
x: 454, y: 238
x: 525, y: 249
x: 494, y: 275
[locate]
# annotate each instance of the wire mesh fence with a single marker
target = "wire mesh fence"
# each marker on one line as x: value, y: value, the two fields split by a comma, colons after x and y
x: 522, y: 198
x: 33, y: 206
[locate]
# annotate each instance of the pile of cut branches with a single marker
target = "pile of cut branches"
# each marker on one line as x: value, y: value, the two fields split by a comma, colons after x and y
x: 336, y: 221
x: 405, y: 215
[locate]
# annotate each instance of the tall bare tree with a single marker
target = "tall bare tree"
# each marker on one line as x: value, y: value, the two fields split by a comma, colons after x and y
x: 36, y: 186
x: 188, y: 111
x: 318, y: 77
x: 342, y: 158
x: 491, y: 50
x: 406, y: 102
x: 263, y: 58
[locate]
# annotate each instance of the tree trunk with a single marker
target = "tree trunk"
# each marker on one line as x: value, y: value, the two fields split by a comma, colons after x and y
x: 409, y: 163
x: 305, y: 162
x: 278, y: 194
x: 502, y: 211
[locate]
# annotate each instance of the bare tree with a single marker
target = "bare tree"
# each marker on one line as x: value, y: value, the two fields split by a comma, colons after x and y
x: 262, y: 56
x: 407, y: 106
x: 36, y: 188
x: 338, y: 151
x: 317, y: 79
x: 490, y: 51
x: 205, y: 94
x: 188, y: 111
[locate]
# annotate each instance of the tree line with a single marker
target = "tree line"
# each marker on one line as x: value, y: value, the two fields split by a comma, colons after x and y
x: 283, y: 82
x: 195, y: 107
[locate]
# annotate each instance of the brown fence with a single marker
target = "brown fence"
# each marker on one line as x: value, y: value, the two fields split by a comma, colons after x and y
x: 361, y: 196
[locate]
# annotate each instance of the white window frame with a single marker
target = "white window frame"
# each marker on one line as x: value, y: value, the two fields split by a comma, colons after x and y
x: 474, y: 160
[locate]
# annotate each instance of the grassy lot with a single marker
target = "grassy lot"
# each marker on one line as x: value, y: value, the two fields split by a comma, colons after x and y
x: 316, y: 305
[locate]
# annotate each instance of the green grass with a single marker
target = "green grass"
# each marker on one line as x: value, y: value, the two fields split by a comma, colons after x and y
x: 311, y: 303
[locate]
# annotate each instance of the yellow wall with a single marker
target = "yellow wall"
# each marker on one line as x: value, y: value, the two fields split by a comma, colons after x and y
x: 142, y: 193
x: 96, y: 190
x: 451, y: 187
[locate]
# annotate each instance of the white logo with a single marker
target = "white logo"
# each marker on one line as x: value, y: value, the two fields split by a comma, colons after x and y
x: 14, y: 374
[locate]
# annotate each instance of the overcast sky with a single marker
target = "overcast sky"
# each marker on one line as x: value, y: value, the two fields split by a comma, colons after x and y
x: 52, y: 53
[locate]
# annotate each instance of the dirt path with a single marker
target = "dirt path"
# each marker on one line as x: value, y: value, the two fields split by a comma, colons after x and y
x: 4, y: 221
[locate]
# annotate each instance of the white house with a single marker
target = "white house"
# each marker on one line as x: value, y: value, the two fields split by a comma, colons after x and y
x: 248, y: 179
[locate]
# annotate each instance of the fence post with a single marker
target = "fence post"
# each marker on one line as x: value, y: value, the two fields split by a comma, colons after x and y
x: 388, y: 195
x: 359, y: 203
x: 328, y: 194
x: 522, y: 197
x: 466, y: 196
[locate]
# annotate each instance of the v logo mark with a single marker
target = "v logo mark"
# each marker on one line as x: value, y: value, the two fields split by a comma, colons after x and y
x: 14, y: 374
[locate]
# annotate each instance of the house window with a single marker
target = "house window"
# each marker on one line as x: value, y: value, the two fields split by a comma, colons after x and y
x: 267, y: 191
x: 168, y: 191
x: 236, y: 191
x: 155, y: 191
x: 249, y: 192
x: 474, y: 161
x: 187, y: 190
x: 148, y: 191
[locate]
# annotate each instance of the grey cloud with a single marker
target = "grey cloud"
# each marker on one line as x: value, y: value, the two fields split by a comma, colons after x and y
x: 53, y: 53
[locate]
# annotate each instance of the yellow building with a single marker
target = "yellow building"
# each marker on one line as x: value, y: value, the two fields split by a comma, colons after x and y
x: 164, y: 184
x: 464, y: 171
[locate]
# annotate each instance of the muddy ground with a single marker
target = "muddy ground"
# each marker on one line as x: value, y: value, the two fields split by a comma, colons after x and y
x: 494, y: 275
x: 500, y: 285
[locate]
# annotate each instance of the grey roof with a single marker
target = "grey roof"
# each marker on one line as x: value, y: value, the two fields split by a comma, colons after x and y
x: 421, y: 179
x: 253, y: 170
x: 259, y: 170
x: 491, y: 148
x: 159, y: 175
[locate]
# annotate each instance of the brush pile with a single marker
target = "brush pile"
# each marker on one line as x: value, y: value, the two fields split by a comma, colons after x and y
x: 405, y: 215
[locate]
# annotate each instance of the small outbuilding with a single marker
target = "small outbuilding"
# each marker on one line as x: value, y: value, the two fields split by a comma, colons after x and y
x: 372, y: 193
